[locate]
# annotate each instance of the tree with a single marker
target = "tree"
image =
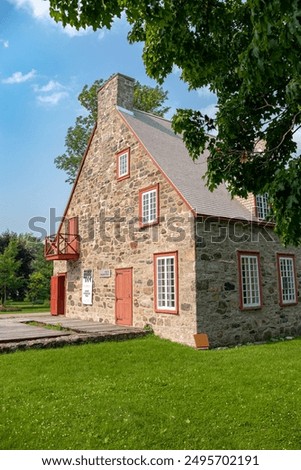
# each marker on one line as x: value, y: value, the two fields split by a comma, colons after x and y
x: 29, y: 257
x: 150, y: 99
x: 145, y: 98
x: 9, y: 266
x: 248, y: 53
x: 39, y: 281
x: 38, y: 287
x: 24, y: 256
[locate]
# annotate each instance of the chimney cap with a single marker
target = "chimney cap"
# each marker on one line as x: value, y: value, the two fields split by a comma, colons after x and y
x: 118, y: 90
x: 115, y: 75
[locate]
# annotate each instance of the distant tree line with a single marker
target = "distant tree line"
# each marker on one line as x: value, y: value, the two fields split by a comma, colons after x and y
x: 24, y: 273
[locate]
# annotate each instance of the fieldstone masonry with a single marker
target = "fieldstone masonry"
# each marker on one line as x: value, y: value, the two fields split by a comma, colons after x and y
x: 218, y: 311
x: 111, y: 238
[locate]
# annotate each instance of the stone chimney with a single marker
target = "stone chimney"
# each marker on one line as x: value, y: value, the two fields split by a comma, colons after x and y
x: 117, y: 91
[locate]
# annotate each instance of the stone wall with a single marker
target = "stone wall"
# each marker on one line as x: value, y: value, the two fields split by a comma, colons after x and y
x: 218, y: 309
x: 59, y: 267
x: 111, y: 237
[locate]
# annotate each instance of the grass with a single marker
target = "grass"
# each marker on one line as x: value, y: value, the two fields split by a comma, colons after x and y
x: 56, y: 327
x: 26, y: 307
x: 151, y: 394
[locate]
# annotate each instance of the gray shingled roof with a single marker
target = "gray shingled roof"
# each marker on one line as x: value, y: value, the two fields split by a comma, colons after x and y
x: 170, y: 153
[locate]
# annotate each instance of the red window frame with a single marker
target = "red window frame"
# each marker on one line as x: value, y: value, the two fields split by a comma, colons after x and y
x: 141, y: 193
x: 291, y: 256
x: 118, y: 156
x: 172, y: 310
x: 255, y: 254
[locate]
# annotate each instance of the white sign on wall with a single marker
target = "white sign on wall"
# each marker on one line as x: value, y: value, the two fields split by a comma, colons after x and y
x: 87, y: 287
x: 105, y: 273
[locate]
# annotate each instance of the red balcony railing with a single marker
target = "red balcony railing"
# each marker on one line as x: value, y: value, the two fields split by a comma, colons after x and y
x: 63, y: 246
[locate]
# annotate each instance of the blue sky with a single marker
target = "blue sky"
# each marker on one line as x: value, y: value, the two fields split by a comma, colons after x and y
x: 43, y: 68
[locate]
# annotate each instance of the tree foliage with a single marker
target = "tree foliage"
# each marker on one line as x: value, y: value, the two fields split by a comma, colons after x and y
x: 9, y: 270
x: 248, y: 53
x: 145, y: 98
x: 150, y: 99
x: 38, y: 287
x: 23, y: 257
x: 20, y: 257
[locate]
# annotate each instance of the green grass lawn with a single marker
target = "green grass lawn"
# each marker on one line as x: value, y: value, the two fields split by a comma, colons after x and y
x: 26, y: 307
x: 151, y: 394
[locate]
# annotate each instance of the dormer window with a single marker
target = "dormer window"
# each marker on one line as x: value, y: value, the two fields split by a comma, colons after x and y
x: 262, y: 206
x: 123, y: 164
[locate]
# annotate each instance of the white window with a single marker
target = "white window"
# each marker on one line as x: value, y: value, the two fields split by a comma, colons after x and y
x: 250, y: 292
x: 262, y: 206
x: 149, y: 206
x: 123, y: 164
x: 288, y: 294
x: 166, y: 282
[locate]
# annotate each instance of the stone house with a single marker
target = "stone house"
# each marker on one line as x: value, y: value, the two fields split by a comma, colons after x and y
x: 143, y: 241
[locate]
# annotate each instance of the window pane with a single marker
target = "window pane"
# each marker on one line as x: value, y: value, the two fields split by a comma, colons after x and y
x: 123, y: 164
x: 262, y: 205
x: 250, y: 281
x: 149, y: 206
x: 288, y: 288
x: 160, y: 281
x: 166, y: 291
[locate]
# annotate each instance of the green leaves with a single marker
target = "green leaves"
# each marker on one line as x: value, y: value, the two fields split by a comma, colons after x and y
x: 285, y: 196
x: 193, y: 125
x: 150, y: 99
x: 248, y: 52
x: 97, y: 14
x: 9, y: 266
x: 20, y: 256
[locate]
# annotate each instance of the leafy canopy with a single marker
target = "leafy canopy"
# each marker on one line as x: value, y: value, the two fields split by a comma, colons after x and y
x: 9, y: 267
x: 21, y: 256
x: 248, y: 53
x: 146, y: 99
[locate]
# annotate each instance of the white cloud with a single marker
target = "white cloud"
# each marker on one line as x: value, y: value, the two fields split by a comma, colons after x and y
x: 210, y: 110
x: 51, y: 94
x: 176, y: 70
x: 50, y: 86
x: 38, y: 8
x: 19, y: 77
x: 205, y: 92
x: 73, y: 32
x: 5, y: 43
x: 53, y: 99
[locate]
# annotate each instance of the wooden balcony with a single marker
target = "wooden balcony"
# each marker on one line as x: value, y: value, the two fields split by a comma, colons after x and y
x: 63, y: 246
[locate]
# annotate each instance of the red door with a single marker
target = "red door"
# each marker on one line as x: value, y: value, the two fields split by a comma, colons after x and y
x: 123, y: 293
x: 57, y: 302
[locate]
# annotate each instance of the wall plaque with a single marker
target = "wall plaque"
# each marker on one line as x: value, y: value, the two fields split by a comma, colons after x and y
x: 105, y: 273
